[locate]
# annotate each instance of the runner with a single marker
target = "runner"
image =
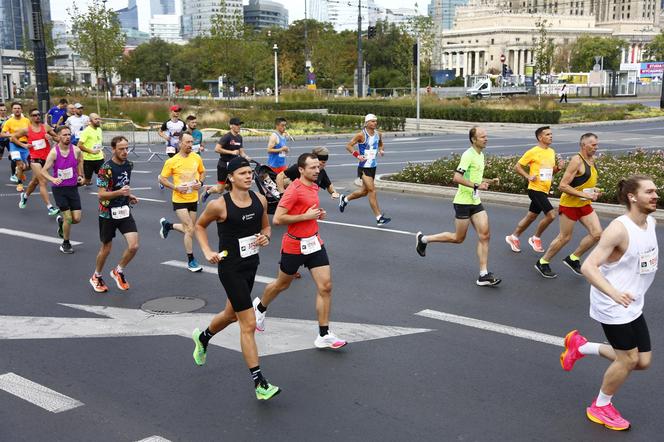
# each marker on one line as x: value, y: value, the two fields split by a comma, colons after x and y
x: 541, y: 162
x: 228, y: 147
x: 469, y: 175
x: 620, y: 270
x: 301, y: 245
x: 115, y: 202
x: 323, y: 181
x: 370, y: 144
x: 243, y: 227
x: 196, y: 134
x: 188, y: 175
x: 67, y: 162
x: 4, y: 138
x: 277, y: 148
x: 57, y: 115
x: 39, y: 147
x: 171, y: 131
x: 90, y: 143
x: 77, y: 123
x: 17, y: 153
x: 578, y: 192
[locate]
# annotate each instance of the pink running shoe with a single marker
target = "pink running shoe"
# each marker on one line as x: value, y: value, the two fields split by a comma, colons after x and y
x: 536, y: 244
x: 573, y: 340
x: 514, y: 243
x: 607, y: 416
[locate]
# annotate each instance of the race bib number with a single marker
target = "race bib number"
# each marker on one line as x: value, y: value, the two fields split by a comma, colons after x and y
x: 170, y: 149
x: 309, y: 245
x: 590, y: 191
x: 39, y: 144
x: 120, y: 212
x: 196, y: 148
x: 546, y: 174
x: 65, y: 174
x: 248, y: 246
x: 370, y: 155
x: 97, y: 147
x: 15, y: 155
x: 476, y: 194
x: 282, y: 154
x: 648, y: 262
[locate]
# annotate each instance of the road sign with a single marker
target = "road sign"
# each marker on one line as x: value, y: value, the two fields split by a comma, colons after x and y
x: 502, y: 58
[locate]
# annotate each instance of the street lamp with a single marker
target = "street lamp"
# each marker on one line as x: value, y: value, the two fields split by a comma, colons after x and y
x: 275, y: 48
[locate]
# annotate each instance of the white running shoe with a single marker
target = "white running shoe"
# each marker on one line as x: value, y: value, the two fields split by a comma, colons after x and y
x: 329, y: 341
x: 260, y: 317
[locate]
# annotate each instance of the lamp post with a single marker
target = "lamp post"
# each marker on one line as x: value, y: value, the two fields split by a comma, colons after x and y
x: 275, y: 48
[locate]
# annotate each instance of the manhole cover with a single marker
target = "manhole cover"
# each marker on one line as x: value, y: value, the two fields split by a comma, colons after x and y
x: 173, y: 305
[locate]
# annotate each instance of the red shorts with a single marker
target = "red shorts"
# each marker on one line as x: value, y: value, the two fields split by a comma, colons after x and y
x: 575, y: 213
x: 278, y: 170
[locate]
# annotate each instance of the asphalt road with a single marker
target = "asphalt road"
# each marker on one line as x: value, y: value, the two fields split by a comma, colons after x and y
x: 429, y: 379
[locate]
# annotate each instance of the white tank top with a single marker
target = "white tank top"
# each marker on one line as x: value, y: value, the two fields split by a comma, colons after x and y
x: 633, y: 273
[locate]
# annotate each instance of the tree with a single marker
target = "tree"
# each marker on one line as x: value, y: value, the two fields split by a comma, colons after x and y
x: 148, y: 61
x: 562, y: 58
x: 543, y: 50
x: 655, y: 49
x: 586, y: 48
x: 423, y: 26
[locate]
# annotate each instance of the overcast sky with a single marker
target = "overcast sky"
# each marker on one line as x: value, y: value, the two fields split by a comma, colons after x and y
x: 295, y: 7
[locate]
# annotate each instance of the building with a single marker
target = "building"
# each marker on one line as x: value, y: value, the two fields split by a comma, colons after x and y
x: 166, y: 27
x: 447, y: 11
x: 14, y: 16
x: 198, y: 15
x: 138, y: 13
x: 319, y: 10
x: 261, y: 14
x: 397, y: 15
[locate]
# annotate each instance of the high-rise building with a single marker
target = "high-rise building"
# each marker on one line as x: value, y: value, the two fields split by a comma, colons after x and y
x: 265, y: 14
x: 166, y: 27
x: 319, y: 10
x: 448, y: 11
x: 197, y: 15
x: 14, y: 18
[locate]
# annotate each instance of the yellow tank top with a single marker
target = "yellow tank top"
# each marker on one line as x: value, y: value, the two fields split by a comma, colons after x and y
x: 587, y: 180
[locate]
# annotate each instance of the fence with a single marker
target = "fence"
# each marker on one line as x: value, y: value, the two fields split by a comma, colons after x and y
x: 127, y: 128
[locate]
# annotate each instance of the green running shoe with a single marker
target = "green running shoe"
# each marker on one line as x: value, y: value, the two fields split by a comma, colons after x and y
x: 266, y: 391
x: 200, y: 353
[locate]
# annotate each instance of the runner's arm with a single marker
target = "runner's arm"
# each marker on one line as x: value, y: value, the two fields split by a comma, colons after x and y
x: 162, y: 132
x: 50, y: 159
x: 570, y: 173
x: 281, y: 187
x: 79, y: 164
x: 381, y: 148
x: 266, y: 230
x: 214, y: 211
x: 273, y: 142
x: 521, y: 171
x: 459, y: 179
x: 350, y: 147
x: 18, y: 134
x: 281, y: 216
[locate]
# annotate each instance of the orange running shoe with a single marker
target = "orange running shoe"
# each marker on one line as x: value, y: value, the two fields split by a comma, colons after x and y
x: 120, y: 280
x: 98, y: 284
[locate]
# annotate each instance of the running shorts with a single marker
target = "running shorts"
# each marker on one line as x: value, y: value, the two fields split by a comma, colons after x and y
x: 539, y: 202
x: 465, y: 211
x: 290, y: 262
x: 191, y: 207
x: 628, y: 336
x: 278, y: 170
x: 90, y: 167
x: 67, y: 198
x: 368, y: 171
x: 108, y: 226
x: 575, y: 213
x: 18, y: 153
x: 238, y: 284
x: 222, y: 171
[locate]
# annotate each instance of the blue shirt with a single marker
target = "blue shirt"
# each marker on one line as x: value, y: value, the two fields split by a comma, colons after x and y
x: 369, y: 149
x: 277, y: 159
x: 56, y: 115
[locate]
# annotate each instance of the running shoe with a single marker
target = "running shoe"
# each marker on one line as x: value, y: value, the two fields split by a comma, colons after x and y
x: 383, y: 220
x: 98, y: 284
x: 329, y: 341
x: 607, y: 416
x: 52, y: 211
x: 342, y: 203
x: 23, y: 201
x: 260, y: 317
x: 194, y: 266
x: 573, y: 340
x: 66, y: 248
x: 205, y: 195
x: 574, y: 266
x: 200, y: 352
x: 514, y: 243
x: 164, y: 228
x: 545, y: 270
x: 60, y: 222
x: 19, y: 187
x: 119, y: 279
x: 488, y: 279
x: 420, y: 247
x: 265, y: 391
x: 13, y: 179
x: 536, y: 244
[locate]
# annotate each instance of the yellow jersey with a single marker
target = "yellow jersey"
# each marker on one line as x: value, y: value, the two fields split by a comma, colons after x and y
x: 586, y: 180
x: 185, y: 171
x: 541, y: 162
x: 13, y: 125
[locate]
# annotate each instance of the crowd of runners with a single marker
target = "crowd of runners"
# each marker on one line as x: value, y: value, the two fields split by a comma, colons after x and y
x: 65, y: 148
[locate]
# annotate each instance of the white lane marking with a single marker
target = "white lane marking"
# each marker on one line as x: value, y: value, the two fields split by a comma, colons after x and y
x: 17, y: 194
x: 36, y: 236
x: 213, y: 270
x: 139, y: 199
x: 154, y: 439
x: 494, y: 327
x: 37, y: 394
x: 382, y: 229
x: 141, y: 188
x: 142, y: 171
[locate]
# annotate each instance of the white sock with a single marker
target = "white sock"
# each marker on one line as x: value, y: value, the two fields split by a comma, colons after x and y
x: 424, y: 239
x: 346, y: 200
x: 603, y: 399
x: 535, y: 237
x: 119, y: 269
x: 97, y: 274
x: 589, y: 348
x: 379, y: 216
x: 484, y: 272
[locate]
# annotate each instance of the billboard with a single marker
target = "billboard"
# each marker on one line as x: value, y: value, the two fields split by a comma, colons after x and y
x: 647, y: 71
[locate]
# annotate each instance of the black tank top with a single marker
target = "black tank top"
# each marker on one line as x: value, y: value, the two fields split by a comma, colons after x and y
x: 578, y: 180
x: 240, y: 223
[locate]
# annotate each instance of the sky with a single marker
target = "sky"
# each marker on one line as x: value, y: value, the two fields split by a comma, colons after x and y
x: 295, y: 7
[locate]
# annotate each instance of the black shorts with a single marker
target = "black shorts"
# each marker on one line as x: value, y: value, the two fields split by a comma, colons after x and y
x: 222, y: 171
x: 628, y: 336
x: 90, y: 167
x: 238, y: 284
x: 191, y: 207
x: 67, y: 198
x: 465, y: 211
x: 290, y: 263
x: 539, y: 202
x: 37, y: 161
x: 368, y: 171
x: 4, y: 144
x: 108, y: 226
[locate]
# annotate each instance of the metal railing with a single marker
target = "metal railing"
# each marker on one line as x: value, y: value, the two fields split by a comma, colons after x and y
x: 153, y: 139
x: 126, y: 127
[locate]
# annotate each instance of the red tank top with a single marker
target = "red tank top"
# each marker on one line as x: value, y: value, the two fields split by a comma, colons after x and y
x: 40, y: 146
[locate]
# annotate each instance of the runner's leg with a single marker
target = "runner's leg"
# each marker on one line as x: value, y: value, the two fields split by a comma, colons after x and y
x: 549, y: 217
x: 480, y: 222
x: 104, y: 251
x: 322, y: 277
x: 130, y: 251
x: 186, y: 226
x: 456, y: 237
x: 594, y: 227
x: 277, y: 286
x: 565, y: 235
x: 524, y: 223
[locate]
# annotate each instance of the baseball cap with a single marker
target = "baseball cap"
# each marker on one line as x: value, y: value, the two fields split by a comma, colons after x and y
x: 237, y: 163
x: 370, y: 117
x: 78, y: 106
x: 236, y: 121
x: 175, y: 108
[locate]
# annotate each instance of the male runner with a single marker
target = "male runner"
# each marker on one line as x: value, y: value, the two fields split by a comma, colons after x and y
x: 243, y: 227
x: 541, y: 163
x: 4, y: 140
x: 578, y: 192
x: 620, y: 270
x: 39, y: 147
x: 370, y: 144
x: 171, y: 131
x: 188, y: 175
x: 228, y: 147
x: 67, y: 162
x: 301, y: 245
x: 17, y: 153
x: 77, y: 123
x: 90, y: 143
x: 115, y: 202
x: 192, y: 124
x: 277, y: 147
x: 469, y: 175
x: 293, y: 172
x: 57, y: 115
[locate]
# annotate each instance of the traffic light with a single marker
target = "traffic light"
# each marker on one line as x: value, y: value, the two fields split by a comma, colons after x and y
x: 504, y: 73
x: 371, y: 33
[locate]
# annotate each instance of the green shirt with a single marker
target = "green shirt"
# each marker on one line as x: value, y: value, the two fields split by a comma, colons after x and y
x: 91, y: 138
x: 472, y: 168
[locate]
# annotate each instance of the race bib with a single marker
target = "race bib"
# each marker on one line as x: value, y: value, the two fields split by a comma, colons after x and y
x: 590, y: 191
x: 648, y: 262
x: 97, y: 147
x: 39, y: 144
x: 248, y: 246
x: 282, y: 154
x: 476, y: 194
x: 15, y: 155
x: 309, y: 245
x: 170, y: 149
x: 546, y: 174
x: 370, y: 154
x: 65, y: 174
x: 196, y: 148
x: 120, y: 212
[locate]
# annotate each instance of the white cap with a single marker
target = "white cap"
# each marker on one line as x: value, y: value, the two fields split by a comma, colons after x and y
x: 369, y: 117
x: 78, y: 106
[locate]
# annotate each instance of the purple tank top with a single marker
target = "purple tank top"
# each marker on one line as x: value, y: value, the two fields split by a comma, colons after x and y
x: 65, y: 167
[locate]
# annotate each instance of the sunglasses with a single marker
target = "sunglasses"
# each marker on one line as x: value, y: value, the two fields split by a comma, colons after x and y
x: 35, y: 115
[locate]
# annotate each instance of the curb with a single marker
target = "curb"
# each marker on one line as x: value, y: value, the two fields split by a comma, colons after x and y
x: 490, y: 197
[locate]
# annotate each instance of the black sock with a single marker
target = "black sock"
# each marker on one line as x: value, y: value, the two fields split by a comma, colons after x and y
x: 323, y: 329
x: 190, y: 257
x: 257, y: 376
x: 261, y: 308
x: 205, y: 337
x: 66, y: 241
